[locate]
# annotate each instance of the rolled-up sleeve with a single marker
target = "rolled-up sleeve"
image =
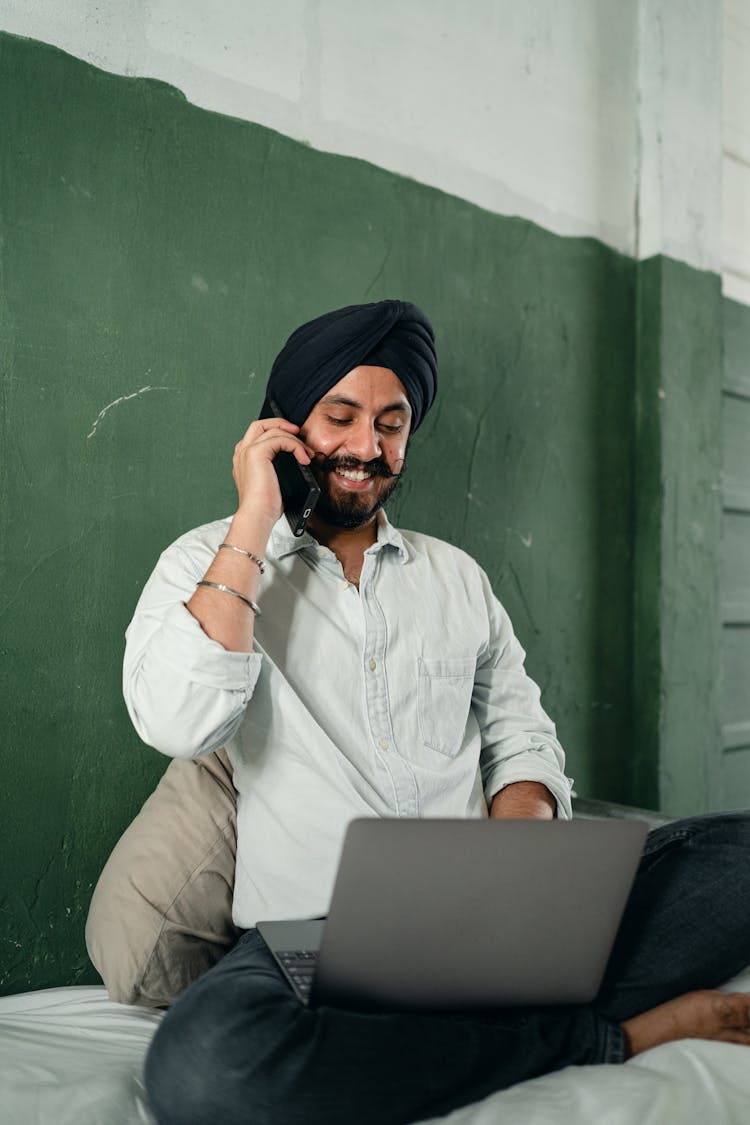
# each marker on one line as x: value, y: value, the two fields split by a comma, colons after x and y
x: 185, y: 693
x: 519, y: 742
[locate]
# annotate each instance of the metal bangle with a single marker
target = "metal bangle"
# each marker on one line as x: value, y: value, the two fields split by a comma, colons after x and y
x: 228, y: 590
x: 261, y: 563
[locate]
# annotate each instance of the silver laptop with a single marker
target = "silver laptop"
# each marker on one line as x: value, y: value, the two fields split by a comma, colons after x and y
x: 460, y: 914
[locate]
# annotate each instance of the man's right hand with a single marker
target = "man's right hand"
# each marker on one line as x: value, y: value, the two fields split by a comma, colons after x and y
x: 254, y: 475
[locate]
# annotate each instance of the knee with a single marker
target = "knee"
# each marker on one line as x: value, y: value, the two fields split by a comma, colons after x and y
x: 731, y: 829
x: 716, y: 852
x: 711, y: 829
x: 177, y: 1076
x: 232, y: 1066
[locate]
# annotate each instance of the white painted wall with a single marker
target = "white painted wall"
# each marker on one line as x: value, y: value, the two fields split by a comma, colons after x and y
x: 591, y: 117
x: 736, y: 151
x: 678, y: 191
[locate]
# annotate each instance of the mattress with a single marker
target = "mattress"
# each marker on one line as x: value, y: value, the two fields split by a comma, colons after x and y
x: 69, y: 1056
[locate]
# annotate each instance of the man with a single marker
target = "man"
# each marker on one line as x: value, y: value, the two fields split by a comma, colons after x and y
x: 382, y: 678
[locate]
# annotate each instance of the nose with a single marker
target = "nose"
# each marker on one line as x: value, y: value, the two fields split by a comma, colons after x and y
x: 363, y: 441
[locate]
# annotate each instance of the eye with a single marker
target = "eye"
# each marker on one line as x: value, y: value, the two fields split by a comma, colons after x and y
x: 337, y: 421
x: 391, y: 429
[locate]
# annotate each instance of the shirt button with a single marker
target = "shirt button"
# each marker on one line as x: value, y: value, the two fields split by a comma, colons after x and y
x: 383, y: 743
x: 373, y: 665
x: 344, y: 585
x: 321, y: 553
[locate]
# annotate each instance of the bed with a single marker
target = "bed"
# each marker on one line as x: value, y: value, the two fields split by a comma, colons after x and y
x: 70, y: 1056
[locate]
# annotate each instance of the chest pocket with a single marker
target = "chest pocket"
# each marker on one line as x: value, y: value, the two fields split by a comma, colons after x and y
x: 444, y: 698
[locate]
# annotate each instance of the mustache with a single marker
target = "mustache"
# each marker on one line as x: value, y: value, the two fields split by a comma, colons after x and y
x: 377, y: 467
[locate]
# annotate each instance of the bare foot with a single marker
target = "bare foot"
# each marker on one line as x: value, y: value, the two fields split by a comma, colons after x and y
x: 696, y: 1015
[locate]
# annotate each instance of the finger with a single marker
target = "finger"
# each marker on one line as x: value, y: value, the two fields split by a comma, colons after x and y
x: 304, y: 454
x: 289, y: 442
x: 736, y: 1010
x: 263, y: 425
x: 271, y: 431
x: 741, y: 1037
x: 272, y: 442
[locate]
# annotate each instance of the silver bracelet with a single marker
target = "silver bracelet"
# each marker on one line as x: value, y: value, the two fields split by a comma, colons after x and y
x: 261, y: 563
x: 228, y: 590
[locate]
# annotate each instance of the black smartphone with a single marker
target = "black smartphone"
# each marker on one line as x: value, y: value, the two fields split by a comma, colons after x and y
x: 299, y: 489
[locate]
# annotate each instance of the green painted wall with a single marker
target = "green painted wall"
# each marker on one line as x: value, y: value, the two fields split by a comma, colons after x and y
x: 734, y: 764
x: 677, y: 532
x: 153, y: 258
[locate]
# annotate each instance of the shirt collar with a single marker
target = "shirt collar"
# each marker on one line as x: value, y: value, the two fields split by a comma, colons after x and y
x: 284, y: 543
x: 390, y: 536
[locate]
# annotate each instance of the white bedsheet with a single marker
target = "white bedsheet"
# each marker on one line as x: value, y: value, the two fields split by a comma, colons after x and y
x: 68, y: 1056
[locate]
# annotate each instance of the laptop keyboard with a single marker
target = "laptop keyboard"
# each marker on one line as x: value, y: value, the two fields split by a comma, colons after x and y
x: 299, y: 964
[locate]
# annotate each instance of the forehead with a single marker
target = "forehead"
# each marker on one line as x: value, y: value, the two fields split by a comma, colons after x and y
x: 372, y: 388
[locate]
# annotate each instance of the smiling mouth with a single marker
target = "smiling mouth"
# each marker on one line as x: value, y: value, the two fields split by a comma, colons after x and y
x: 356, y: 475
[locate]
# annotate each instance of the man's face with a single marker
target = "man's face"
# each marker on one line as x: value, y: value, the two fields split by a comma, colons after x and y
x: 359, y: 431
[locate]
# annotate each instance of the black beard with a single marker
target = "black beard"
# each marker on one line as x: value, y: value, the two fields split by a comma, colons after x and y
x: 349, y: 511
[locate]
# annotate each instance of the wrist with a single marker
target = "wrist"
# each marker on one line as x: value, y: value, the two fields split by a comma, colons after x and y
x: 250, y: 532
x: 527, y: 799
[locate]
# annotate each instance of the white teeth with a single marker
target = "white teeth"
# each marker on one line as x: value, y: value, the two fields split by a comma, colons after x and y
x: 349, y: 474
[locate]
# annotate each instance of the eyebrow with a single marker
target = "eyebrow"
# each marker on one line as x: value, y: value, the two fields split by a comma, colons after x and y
x: 342, y: 400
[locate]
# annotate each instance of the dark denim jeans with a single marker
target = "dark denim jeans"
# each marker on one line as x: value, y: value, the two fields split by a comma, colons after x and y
x: 239, y: 1049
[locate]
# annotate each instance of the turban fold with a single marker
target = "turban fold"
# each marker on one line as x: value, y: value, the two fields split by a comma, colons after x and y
x: 393, y: 334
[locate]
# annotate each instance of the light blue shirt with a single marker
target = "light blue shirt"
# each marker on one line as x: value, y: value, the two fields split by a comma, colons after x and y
x: 407, y: 697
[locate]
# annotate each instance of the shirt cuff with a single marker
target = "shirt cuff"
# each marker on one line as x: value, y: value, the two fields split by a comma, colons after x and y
x: 183, y: 646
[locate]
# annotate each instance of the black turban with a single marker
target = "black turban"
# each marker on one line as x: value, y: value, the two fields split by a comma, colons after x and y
x: 393, y: 334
